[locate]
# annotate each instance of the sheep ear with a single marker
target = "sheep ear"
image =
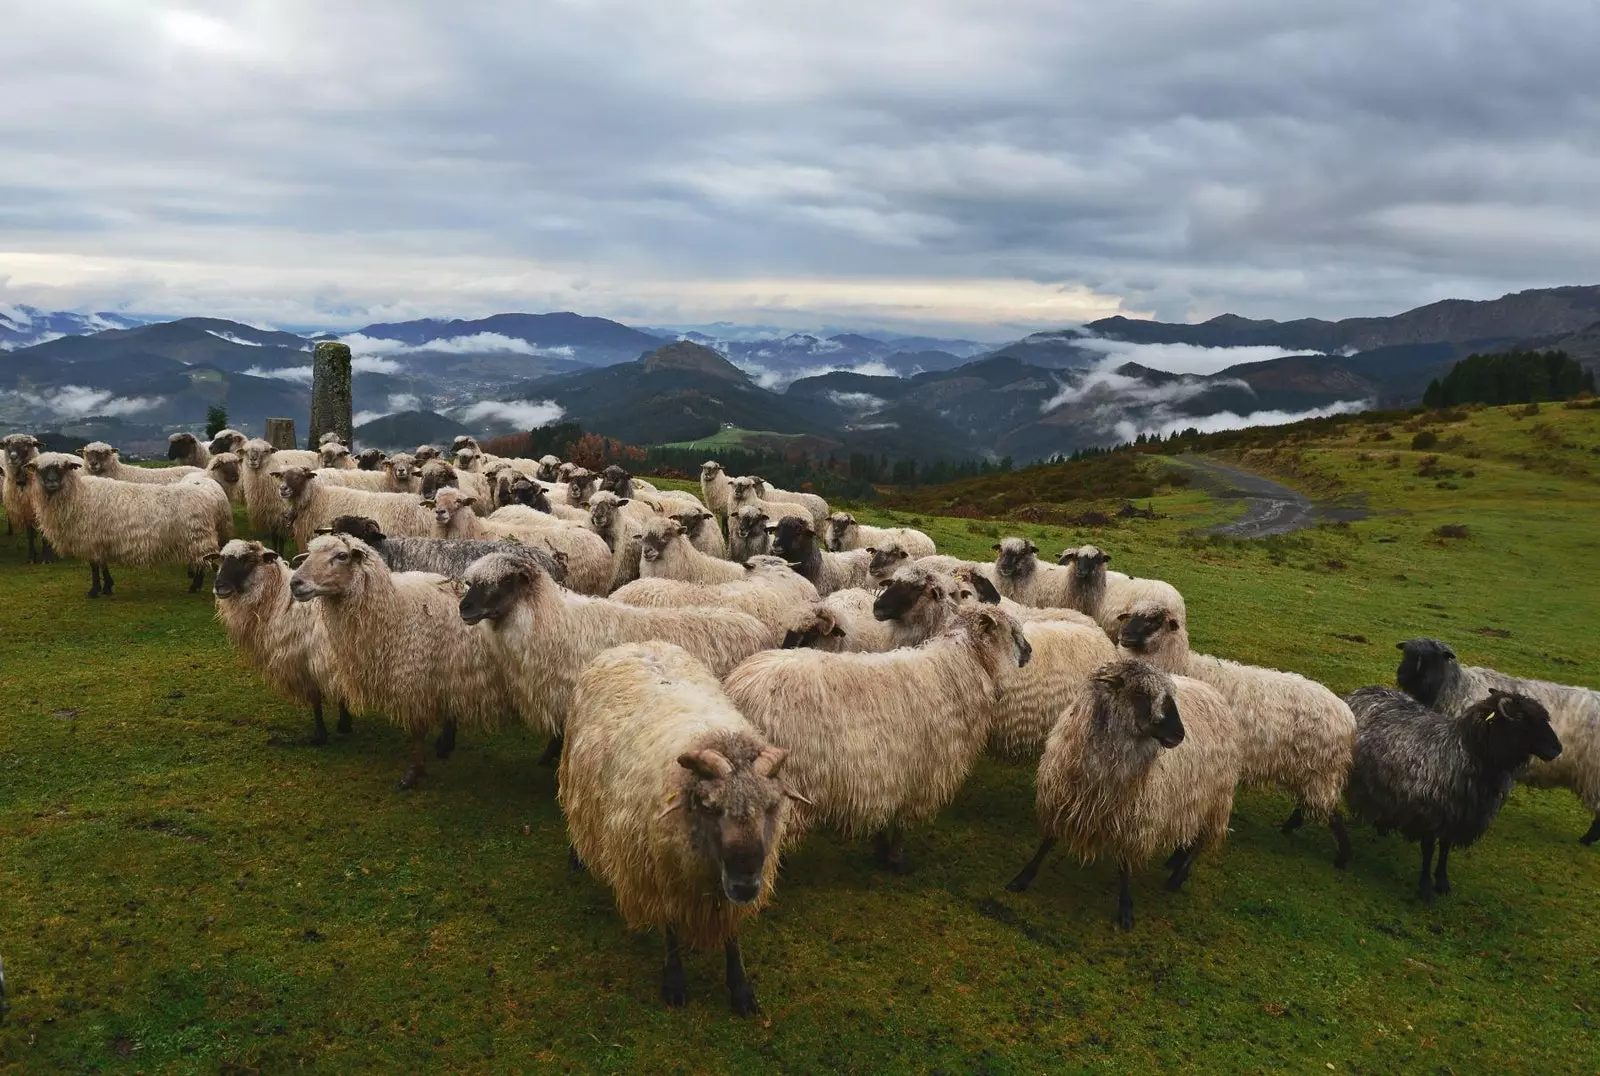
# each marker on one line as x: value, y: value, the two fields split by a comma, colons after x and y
x: 73, y: 465
x: 622, y: 501
x: 1123, y: 616
x: 1108, y: 677
x: 427, y: 502
x: 299, y: 559
x: 996, y: 547
x: 769, y: 761
x: 871, y: 551
x: 1032, y: 548
x: 269, y: 557
x: 212, y: 558
x: 469, y: 500
x: 1066, y: 555
x: 1105, y: 558
x: 1399, y: 646
x: 772, y: 528
x: 707, y: 764
x: 357, y: 552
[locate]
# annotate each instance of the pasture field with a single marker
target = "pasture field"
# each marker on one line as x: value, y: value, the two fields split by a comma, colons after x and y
x: 185, y: 888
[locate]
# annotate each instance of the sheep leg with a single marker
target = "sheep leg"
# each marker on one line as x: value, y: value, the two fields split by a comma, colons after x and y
x: 1029, y: 872
x: 105, y: 573
x: 1294, y: 821
x: 1594, y: 832
x: 1176, y: 857
x: 1441, y: 875
x: 197, y: 579
x: 1180, y: 873
x: 445, y: 745
x: 33, y: 550
x: 94, y: 580
x: 1125, y: 897
x: 319, y: 732
x: 344, y: 720
x: 574, y: 863
x: 741, y: 996
x: 1424, y: 883
x: 49, y: 551
x: 891, y: 850
x: 673, y: 990
x: 419, y: 765
x: 552, y: 751
x: 1341, y: 837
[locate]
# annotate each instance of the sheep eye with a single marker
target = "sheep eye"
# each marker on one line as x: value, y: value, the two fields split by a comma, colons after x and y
x: 341, y: 556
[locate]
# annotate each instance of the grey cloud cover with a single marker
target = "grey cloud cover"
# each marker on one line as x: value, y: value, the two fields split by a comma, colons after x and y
x: 932, y: 166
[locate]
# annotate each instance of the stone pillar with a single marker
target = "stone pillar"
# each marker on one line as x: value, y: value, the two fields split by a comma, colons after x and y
x: 280, y: 432
x: 330, y: 392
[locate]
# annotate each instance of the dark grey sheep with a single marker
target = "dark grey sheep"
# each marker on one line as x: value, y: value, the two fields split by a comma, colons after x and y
x: 450, y: 557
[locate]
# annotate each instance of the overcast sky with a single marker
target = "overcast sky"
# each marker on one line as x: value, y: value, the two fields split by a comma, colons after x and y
x: 983, y: 168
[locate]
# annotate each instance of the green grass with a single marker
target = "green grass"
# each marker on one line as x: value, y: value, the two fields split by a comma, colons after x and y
x: 737, y: 438
x: 184, y: 889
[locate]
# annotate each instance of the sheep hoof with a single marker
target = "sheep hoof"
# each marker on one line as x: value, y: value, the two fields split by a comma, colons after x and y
x: 412, y: 778
x: 319, y: 738
x: 1441, y: 886
x: 1125, y: 918
x: 1425, y: 893
x: 1341, y: 861
x: 1593, y: 835
x: 1019, y: 884
x: 1293, y: 822
x: 743, y: 1002
x: 674, y: 993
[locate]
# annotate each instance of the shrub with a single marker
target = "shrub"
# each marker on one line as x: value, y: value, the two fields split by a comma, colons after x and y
x: 1452, y: 530
x: 1425, y: 440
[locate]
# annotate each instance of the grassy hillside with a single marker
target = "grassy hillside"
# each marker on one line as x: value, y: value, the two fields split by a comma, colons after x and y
x: 185, y: 888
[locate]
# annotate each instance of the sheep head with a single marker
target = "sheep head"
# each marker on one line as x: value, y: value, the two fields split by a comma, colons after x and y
x: 369, y: 459
x: 793, y: 538
x: 1513, y: 727
x: 975, y: 586
x: 547, y: 469
x: 910, y: 587
x: 1147, y: 628
x: 329, y: 437
x: 225, y: 465
x: 237, y: 564
x: 53, y: 469
x: 402, y: 465
x: 181, y: 446
x: 525, y: 491
x: 449, y: 502
x: 424, y: 453
x: 581, y: 486
x: 659, y: 534
x: 709, y: 470
x: 332, y: 453
x: 995, y: 632
x: 361, y: 527
x: 733, y: 799
x: 818, y: 624
x: 227, y: 441
x: 886, y: 560
x: 256, y: 452
x: 462, y: 443
x: 744, y: 490
x: 836, y: 530
x: 20, y: 448
x: 1136, y: 701
x: 1086, y: 561
x: 1424, y: 667
x: 691, y: 522
x: 496, y: 583
x: 1015, y: 557
x: 332, y: 567
x: 751, y: 522
x: 437, y: 475
x: 293, y: 482
x: 98, y: 457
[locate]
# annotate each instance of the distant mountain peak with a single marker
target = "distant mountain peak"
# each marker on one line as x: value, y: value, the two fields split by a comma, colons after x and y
x: 687, y: 355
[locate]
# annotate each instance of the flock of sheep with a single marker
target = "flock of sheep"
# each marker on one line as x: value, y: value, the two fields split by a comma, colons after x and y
x: 719, y: 675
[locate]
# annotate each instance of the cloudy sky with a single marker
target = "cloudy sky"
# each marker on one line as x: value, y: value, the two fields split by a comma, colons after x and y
x: 924, y: 165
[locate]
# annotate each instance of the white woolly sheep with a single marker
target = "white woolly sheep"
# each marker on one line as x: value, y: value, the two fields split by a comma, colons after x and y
x: 842, y: 533
x: 103, y: 461
x: 1431, y: 673
x: 106, y: 522
x: 748, y: 535
x: 673, y: 800
x: 880, y: 742
x: 18, y: 493
x: 315, y: 504
x: 1294, y: 733
x: 809, y: 503
x: 227, y: 470
x: 543, y: 634
x: 185, y: 448
x: 795, y: 540
x: 588, y: 560
x: 1107, y: 595
x: 334, y: 455
x: 623, y: 534
x: 267, y: 510
x: 769, y: 591
x: 743, y: 495
x: 701, y: 528
x: 1139, y: 763
x: 395, y: 646
x: 277, y: 635
x: 666, y: 553
x: 716, y: 490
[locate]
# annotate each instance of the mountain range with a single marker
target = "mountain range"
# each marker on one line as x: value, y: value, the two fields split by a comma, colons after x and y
x: 110, y: 377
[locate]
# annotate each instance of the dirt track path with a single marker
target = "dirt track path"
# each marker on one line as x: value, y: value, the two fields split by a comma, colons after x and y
x: 1271, y: 508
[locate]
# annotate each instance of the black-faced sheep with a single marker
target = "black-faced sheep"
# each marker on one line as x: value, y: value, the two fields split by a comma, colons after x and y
x: 881, y: 742
x: 1431, y: 674
x: 185, y: 448
x: 701, y: 528
x: 18, y: 494
x: 676, y: 802
x: 106, y: 522
x: 842, y: 533
x: 665, y: 552
x: 795, y: 540
x: 1439, y: 778
x: 748, y: 535
x: 1107, y: 595
x: 1139, y: 763
x: 1294, y: 733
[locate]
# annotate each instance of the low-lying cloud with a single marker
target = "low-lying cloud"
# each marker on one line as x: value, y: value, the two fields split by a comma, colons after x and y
x: 232, y: 339
x: 301, y: 374
x: 523, y: 414
x: 1103, y: 383
x: 1166, y: 423
x: 81, y: 401
x: 484, y: 343
x: 778, y: 380
x: 1183, y: 358
x: 398, y: 401
x: 860, y: 403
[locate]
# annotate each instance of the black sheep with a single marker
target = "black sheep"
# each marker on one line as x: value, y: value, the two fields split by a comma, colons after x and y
x: 1438, y: 778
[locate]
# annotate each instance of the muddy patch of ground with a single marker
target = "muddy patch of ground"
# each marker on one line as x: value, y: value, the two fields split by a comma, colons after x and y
x: 1270, y: 507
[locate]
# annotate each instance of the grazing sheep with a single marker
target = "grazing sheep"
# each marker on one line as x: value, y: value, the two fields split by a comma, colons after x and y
x: 185, y: 448
x: 700, y: 526
x: 103, y: 461
x: 18, y: 493
x: 395, y: 646
x: 675, y: 801
x: 228, y: 440
x: 267, y: 510
x: 107, y: 522
x: 1139, y: 763
x: 768, y: 591
x: 748, y: 535
x: 842, y: 533
x: 1431, y: 674
x: 716, y: 490
x: 544, y: 634
x: 335, y: 456
x: 227, y: 470
x: 795, y: 540
x: 1294, y: 732
x: 437, y: 474
x: 588, y: 561
x: 665, y: 553
x: 809, y: 503
x: 880, y: 742
x: 1437, y: 777
x: 370, y: 459
x: 277, y: 635
x: 314, y: 503
x: 1106, y: 595
x: 449, y: 557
